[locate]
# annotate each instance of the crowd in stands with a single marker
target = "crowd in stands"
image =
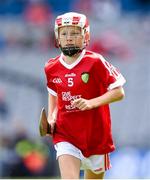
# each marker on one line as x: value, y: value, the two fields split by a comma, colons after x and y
x: 29, y: 23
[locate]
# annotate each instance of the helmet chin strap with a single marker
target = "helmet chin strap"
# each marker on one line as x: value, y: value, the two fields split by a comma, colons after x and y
x: 70, y: 51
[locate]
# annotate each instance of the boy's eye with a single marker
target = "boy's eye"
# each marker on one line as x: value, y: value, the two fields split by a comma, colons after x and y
x: 63, y: 34
x: 71, y: 34
x: 75, y: 33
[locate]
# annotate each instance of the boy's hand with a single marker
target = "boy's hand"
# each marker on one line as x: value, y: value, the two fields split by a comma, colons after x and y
x: 82, y: 104
x: 52, y: 123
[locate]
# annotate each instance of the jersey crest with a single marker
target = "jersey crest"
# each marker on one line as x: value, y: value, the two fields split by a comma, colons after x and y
x: 85, y: 77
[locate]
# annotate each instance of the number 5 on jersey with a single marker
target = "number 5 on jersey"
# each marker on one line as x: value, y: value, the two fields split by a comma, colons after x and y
x: 70, y: 82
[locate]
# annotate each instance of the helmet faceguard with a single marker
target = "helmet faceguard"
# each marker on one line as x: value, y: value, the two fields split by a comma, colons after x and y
x: 72, y: 19
x: 71, y: 50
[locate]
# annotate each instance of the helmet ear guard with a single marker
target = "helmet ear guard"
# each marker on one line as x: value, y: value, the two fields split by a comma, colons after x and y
x: 56, y: 43
x: 87, y: 38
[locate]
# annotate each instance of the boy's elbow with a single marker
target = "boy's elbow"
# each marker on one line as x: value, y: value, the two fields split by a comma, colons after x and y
x: 121, y: 94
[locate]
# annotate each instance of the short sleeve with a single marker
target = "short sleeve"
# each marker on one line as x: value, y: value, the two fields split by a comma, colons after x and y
x: 51, y: 87
x: 108, y: 74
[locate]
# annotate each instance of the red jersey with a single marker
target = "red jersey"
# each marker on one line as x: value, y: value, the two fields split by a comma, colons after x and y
x: 88, y: 77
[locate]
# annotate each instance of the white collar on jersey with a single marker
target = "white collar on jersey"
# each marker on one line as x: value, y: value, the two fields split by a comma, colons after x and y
x: 70, y: 66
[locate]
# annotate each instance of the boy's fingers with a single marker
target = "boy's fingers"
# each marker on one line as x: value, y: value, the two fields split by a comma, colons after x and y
x: 76, y: 101
x: 52, y: 129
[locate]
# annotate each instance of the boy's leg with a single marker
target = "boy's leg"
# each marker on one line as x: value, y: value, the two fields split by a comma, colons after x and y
x: 88, y: 174
x: 69, y: 166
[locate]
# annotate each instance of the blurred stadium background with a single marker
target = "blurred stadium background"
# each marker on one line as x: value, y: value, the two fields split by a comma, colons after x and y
x: 120, y: 30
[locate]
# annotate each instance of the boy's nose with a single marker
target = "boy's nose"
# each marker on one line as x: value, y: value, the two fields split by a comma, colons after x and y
x: 69, y: 38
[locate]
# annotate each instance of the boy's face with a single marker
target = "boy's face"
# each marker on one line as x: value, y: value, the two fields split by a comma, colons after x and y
x: 70, y: 36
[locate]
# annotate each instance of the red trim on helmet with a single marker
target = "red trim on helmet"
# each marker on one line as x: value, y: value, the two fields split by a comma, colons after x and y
x: 76, y: 20
x: 59, y: 21
x: 86, y: 23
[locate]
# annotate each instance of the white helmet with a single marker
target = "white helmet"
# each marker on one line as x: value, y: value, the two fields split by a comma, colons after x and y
x: 73, y: 19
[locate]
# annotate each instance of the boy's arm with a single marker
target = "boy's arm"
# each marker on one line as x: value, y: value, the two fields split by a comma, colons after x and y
x: 52, y: 111
x: 113, y: 95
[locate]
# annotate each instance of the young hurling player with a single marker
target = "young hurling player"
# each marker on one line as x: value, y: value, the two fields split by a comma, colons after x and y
x: 81, y: 84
